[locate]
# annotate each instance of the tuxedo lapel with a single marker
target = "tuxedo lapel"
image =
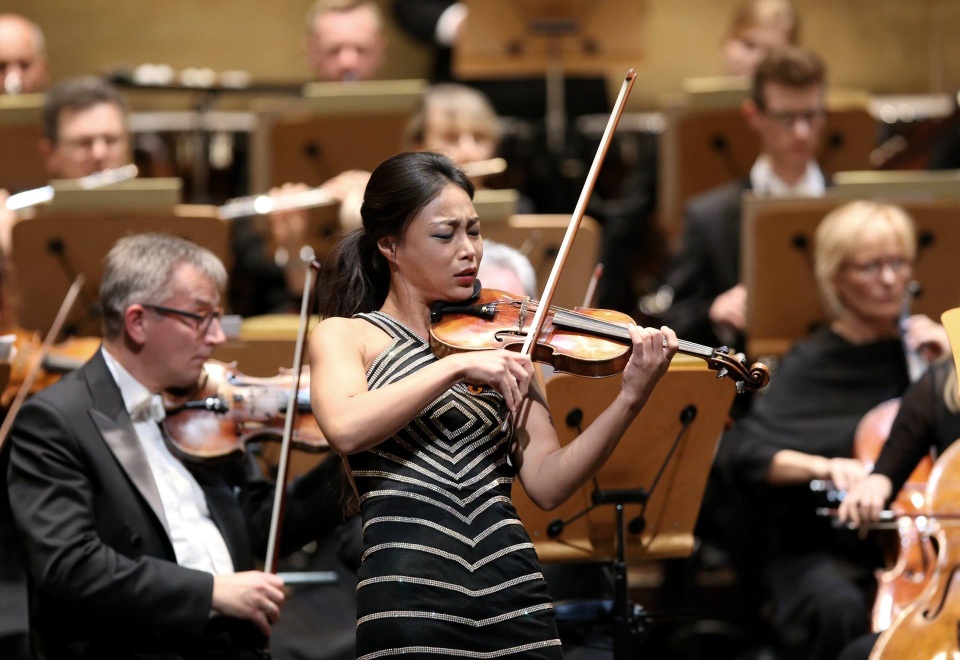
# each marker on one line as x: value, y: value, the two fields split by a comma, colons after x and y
x: 112, y: 421
x: 227, y: 515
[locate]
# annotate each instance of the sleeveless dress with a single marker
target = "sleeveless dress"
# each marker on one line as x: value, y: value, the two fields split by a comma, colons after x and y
x: 448, y: 571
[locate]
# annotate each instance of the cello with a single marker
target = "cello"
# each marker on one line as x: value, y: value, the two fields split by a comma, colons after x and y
x: 928, y: 628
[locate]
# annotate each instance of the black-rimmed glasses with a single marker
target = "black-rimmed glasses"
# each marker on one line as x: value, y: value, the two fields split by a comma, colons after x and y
x: 201, y: 322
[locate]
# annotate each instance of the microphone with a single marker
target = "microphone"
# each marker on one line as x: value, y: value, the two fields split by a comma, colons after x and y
x: 555, y: 528
x: 721, y: 146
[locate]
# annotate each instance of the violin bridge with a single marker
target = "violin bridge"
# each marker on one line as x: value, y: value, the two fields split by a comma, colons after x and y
x: 522, y: 316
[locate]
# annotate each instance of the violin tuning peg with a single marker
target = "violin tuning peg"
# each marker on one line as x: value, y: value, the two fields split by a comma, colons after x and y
x: 722, y: 372
x: 741, y: 387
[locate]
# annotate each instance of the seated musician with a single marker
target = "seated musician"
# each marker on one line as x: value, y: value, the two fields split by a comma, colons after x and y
x: 131, y: 551
x: 803, y: 428
x: 786, y: 110
x: 84, y: 131
x: 928, y: 419
x: 23, y: 56
x: 345, y: 40
x: 630, y: 240
x: 452, y: 119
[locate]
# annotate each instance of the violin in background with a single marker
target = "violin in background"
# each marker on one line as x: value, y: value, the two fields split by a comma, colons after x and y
x: 227, y: 410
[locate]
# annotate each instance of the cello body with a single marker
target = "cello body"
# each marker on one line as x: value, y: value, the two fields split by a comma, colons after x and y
x: 928, y: 629
x: 901, y: 584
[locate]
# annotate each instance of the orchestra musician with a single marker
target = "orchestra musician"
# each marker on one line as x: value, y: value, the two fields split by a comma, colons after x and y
x: 131, y: 551
x: 452, y: 119
x: 758, y: 26
x: 803, y: 428
x: 786, y: 110
x: 84, y: 128
x: 344, y: 40
x: 928, y: 419
x: 23, y: 56
x: 426, y: 453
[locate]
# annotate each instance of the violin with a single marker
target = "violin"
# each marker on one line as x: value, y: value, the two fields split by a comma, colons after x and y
x: 66, y: 356
x: 227, y: 409
x: 594, y: 343
x: 928, y: 628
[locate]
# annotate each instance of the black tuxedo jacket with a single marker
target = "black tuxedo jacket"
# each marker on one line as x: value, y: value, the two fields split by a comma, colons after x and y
x: 103, y: 570
x: 708, y: 262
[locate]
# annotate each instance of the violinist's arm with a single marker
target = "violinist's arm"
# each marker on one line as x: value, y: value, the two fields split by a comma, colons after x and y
x: 551, y: 474
x: 353, y: 418
x: 790, y: 467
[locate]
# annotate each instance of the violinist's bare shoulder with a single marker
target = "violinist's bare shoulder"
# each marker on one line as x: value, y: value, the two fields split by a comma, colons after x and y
x: 344, y: 339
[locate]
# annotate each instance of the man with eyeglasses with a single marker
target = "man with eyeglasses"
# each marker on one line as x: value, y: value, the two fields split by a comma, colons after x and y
x: 132, y: 552
x: 786, y: 110
x: 84, y: 128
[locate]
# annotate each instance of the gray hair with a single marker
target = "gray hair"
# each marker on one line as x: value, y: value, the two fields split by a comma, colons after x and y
x: 138, y: 269
x: 498, y: 255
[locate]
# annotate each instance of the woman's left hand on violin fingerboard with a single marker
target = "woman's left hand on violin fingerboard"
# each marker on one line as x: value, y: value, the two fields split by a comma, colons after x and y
x: 652, y: 351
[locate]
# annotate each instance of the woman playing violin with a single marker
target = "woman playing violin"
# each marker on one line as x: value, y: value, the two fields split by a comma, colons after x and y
x: 803, y: 429
x: 447, y: 569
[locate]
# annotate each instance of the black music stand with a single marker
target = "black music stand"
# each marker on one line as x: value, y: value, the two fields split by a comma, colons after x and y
x: 655, y: 480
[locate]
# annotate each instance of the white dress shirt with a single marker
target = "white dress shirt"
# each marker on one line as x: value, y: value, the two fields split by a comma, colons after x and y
x: 763, y: 181
x: 196, y: 540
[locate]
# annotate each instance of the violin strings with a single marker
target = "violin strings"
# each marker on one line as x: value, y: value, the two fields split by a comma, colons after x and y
x: 589, y: 323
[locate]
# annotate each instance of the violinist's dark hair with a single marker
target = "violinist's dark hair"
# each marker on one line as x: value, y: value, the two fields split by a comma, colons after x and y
x: 355, y: 276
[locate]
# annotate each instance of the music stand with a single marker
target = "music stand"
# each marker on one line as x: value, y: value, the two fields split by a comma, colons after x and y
x: 538, y: 237
x: 338, y: 127
x: 951, y: 321
x: 153, y: 193
x: 897, y: 185
x: 654, y: 479
x: 51, y: 249
x: 512, y: 38
x: 783, y: 301
x: 495, y: 205
x: 21, y: 167
x: 705, y: 146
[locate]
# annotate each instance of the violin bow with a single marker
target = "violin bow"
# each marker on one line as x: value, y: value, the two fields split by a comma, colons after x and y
x: 538, y: 318
x: 279, y: 495
x: 72, y: 293
x: 590, y: 297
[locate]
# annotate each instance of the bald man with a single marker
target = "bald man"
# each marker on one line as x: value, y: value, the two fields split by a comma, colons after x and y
x: 23, y: 56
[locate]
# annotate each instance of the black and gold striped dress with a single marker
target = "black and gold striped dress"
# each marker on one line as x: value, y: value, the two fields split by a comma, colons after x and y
x: 448, y: 570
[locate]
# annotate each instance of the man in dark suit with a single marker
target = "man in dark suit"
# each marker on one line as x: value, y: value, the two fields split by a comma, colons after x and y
x: 786, y: 109
x: 131, y: 552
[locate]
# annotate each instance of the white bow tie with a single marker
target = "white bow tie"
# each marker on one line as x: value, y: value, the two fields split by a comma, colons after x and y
x: 150, y: 409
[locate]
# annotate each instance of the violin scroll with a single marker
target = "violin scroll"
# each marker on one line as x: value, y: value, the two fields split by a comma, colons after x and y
x: 754, y: 377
